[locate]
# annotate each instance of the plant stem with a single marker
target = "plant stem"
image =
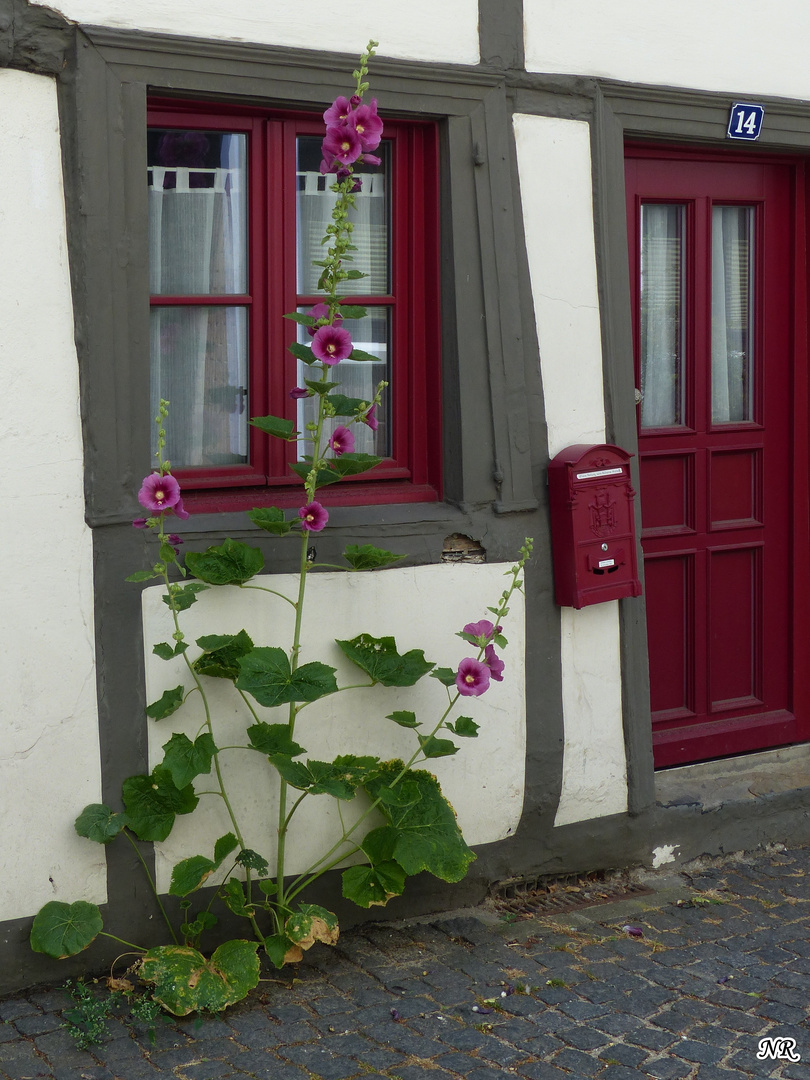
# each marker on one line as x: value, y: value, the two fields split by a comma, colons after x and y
x: 137, y: 948
x: 151, y: 881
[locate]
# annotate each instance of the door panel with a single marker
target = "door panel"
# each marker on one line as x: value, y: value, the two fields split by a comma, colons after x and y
x: 712, y: 258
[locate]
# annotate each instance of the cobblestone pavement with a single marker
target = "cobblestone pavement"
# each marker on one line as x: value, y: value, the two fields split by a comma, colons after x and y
x: 723, y: 962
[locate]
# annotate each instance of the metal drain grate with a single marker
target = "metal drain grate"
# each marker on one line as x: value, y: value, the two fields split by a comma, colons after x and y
x: 547, y: 896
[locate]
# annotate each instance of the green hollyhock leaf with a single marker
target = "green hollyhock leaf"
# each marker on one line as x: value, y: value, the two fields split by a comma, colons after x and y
x: 280, y: 950
x: 354, y: 275
x: 271, y: 519
x: 303, y: 352
x: 433, y: 747
x: 169, y: 702
x: 186, y: 759
x: 181, y: 597
x: 445, y: 675
x: 427, y: 833
x: 152, y: 803
x: 353, y: 464
x: 232, y: 563
x: 379, y: 658
x: 252, y: 860
x: 144, y: 575
x: 358, y: 354
x: 312, y: 923
x: 275, y: 425
x: 266, y: 675
x: 352, y: 311
x: 341, y: 778
x: 98, y: 822
x: 368, y: 557
x: 320, y: 386
x: 61, y: 930
x: 465, y: 726
x: 347, y: 406
x: 190, y: 874
x: 233, y: 896
x: 295, y: 773
x: 168, y: 652
x: 301, y: 318
x: 203, y: 921
x: 324, y: 476
x: 373, y: 885
x: 404, y: 718
x: 186, y: 982
x: 268, y: 887
x: 273, y: 739
x: 221, y: 654
x: 224, y: 846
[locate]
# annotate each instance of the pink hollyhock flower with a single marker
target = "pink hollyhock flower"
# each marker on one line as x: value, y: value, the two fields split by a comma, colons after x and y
x: 321, y: 311
x: 371, y: 419
x: 342, y: 441
x: 368, y: 126
x: 180, y: 511
x: 338, y: 112
x: 342, y: 144
x: 313, y: 517
x: 159, y: 492
x: 483, y: 629
x: 331, y: 344
x: 472, y: 678
x: 494, y: 663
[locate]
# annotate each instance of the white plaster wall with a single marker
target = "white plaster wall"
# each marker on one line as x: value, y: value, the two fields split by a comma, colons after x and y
x: 423, y: 608
x: 49, y: 753
x: 741, y: 47
x: 554, y: 163
x: 445, y: 33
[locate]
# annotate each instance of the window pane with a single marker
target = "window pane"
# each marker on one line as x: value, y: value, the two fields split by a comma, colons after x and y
x: 356, y: 379
x: 197, y: 213
x: 199, y: 365
x: 662, y: 314
x: 370, y: 218
x: 732, y: 313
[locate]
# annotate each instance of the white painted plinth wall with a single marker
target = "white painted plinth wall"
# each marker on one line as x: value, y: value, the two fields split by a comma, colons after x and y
x: 49, y: 752
x: 422, y: 608
x: 554, y: 163
x: 444, y: 33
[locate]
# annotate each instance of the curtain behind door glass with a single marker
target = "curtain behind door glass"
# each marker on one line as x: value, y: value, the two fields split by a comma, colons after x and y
x: 732, y: 314
x: 198, y: 247
x: 662, y: 314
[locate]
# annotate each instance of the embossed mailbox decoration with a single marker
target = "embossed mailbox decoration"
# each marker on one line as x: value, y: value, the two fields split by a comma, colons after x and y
x: 592, y: 525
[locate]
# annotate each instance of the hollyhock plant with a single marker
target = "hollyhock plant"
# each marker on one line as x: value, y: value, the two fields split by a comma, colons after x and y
x: 472, y: 678
x: 159, y: 492
x: 341, y: 441
x: 331, y: 344
x: 313, y: 517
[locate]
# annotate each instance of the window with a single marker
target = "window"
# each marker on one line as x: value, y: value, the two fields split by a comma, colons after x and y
x: 237, y: 210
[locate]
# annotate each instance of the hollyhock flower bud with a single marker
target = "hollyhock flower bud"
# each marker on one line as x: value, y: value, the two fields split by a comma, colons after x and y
x: 299, y: 392
x: 472, y: 678
x: 313, y: 517
x: 355, y: 100
x: 139, y: 523
x: 159, y: 492
x: 331, y: 344
x: 173, y: 538
x: 342, y: 441
x: 371, y: 159
x: 370, y: 419
x: 321, y: 311
x: 494, y: 663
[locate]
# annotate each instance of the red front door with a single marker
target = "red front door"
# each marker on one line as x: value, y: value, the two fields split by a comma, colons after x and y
x: 714, y: 258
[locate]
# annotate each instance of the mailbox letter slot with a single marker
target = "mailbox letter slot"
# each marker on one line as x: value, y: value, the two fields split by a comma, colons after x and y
x: 592, y: 525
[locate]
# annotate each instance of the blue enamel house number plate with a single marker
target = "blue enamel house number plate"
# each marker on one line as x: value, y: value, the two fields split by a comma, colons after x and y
x: 745, y: 121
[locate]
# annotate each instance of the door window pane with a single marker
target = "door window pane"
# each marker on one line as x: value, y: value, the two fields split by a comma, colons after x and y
x: 197, y: 213
x: 370, y: 217
x: 662, y: 314
x: 732, y: 313
x: 356, y: 379
x: 199, y: 364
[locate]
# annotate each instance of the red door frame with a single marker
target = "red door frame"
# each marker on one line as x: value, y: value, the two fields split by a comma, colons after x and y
x: 682, y: 742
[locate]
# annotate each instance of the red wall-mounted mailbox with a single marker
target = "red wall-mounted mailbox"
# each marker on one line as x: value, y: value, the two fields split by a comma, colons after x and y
x: 592, y: 525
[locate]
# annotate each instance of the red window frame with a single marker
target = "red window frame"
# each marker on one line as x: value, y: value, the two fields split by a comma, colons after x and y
x: 412, y: 472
